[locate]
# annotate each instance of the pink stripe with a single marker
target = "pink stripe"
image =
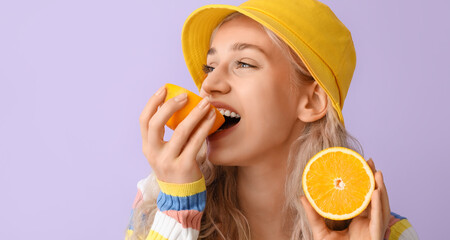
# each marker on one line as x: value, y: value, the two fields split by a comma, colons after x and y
x: 187, y: 218
x: 137, y: 199
x: 391, y: 223
x: 388, y: 233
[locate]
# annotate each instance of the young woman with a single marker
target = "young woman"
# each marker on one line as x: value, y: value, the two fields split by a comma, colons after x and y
x: 280, y: 71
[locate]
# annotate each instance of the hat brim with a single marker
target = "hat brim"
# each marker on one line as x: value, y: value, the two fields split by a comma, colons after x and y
x: 201, y: 23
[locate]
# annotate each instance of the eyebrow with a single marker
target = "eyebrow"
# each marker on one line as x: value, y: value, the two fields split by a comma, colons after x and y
x: 239, y: 47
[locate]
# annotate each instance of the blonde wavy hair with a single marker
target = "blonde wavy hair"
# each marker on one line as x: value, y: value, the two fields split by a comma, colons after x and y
x: 222, y: 217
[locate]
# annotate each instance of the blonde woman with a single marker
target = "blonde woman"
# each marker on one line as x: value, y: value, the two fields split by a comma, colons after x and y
x: 279, y: 71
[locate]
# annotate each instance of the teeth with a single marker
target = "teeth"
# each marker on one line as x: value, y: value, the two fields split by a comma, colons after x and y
x: 228, y: 113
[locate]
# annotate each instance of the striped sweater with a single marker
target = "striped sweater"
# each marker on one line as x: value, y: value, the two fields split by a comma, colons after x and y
x: 180, y: 209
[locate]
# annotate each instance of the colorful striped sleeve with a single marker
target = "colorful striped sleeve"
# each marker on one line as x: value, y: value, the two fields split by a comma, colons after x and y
x: 180, y: 209
x: 400, y: 228
x: 138, y: 199
x: 145, y: 190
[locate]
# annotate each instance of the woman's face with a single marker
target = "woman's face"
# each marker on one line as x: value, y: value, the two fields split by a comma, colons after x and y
x: 248, y: 74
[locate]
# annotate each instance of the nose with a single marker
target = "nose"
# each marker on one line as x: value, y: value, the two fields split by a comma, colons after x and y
x: 215, y: 83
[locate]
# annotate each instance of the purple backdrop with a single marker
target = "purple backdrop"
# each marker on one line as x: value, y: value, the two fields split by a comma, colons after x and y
x: 75, y: 76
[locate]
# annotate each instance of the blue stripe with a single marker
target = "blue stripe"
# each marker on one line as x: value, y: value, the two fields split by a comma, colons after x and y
x: 397, y: 216
x: 130, y: 223
x: 168, y: 202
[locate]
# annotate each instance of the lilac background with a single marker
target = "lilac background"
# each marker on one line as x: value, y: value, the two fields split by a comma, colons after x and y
x: 75, y: 76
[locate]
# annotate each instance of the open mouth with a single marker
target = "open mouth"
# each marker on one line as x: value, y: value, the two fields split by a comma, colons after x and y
x: 231, y: 118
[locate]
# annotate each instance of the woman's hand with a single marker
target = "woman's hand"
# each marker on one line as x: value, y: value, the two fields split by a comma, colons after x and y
x: 370, y: 224
x: 174, y: 161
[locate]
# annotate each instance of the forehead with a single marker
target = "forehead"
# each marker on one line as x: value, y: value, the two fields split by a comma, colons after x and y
x: 241, y: 29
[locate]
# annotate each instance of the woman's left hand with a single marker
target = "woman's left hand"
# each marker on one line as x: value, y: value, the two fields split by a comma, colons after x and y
x: 370, y: 224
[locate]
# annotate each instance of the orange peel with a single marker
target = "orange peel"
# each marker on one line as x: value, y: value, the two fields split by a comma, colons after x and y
x: 192, y: 101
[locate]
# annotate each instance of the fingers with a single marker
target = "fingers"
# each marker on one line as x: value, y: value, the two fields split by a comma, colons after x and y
x: 376, y: 216
x: 366, y: 212
x: 316, y: 222
x: 371, y: 165
x: 185, y: 128
x: 384, y: 196
x: 196, y: 141
x: 380, y: 212
x: 157, y: 122
x: 149, y: 110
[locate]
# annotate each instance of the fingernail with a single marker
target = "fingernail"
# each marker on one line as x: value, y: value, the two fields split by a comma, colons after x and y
x: 181, y: 97
x: 211, y: 114
x: 203, y: 103
x: 160, y: 91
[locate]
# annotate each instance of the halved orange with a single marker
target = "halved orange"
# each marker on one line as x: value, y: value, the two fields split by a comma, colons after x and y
x: 338, y: 183
x: 192, y: 101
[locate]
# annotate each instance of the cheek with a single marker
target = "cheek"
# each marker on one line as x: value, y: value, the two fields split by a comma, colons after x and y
x: 270, y: 99
x: 270, y: 115
x: 269, y: 109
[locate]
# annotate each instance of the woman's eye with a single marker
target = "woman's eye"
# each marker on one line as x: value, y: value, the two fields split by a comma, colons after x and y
x: 207, y: 69
x: 244, y: 65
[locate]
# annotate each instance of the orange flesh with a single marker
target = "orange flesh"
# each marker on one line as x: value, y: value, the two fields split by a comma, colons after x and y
x: 338, y: 183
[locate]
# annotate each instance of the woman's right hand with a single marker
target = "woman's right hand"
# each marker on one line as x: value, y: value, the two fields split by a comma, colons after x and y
x: 174, y: 161
x: 371, y: 224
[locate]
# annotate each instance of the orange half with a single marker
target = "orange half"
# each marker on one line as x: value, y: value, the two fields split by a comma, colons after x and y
x: 338, y: 183
x: 192, y: 101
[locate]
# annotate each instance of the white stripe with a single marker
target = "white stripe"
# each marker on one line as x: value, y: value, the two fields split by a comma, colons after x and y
x: 409, y: 234
x: 172, y: 229
x: 149, y: 187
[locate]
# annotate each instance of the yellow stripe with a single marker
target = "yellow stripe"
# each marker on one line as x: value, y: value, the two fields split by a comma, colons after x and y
x: 398, y: 228
x: 183, y: 190
x: 129, y: 233
x: 152, y: 235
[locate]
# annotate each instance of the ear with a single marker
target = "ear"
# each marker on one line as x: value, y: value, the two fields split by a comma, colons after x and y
x: 313, y: 103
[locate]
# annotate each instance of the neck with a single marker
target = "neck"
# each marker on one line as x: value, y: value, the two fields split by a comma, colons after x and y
x: 261, y: 194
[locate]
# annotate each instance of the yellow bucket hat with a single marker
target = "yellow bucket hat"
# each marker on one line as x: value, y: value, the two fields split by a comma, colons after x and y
x: 309, y: 27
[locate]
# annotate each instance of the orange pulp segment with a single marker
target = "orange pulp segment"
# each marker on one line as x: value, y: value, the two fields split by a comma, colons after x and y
x: 338, y: 183
x: 192, y: 101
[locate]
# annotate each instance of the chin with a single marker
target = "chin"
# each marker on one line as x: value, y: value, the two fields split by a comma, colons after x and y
x: 226, y: 154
